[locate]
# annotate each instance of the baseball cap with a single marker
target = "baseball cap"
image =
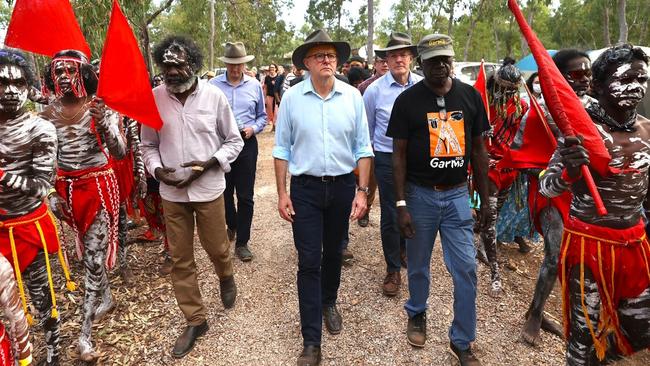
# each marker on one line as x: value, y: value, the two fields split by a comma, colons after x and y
x: 433, y: 45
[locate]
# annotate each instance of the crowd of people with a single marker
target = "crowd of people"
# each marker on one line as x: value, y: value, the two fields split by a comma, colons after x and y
x: 434, y: 147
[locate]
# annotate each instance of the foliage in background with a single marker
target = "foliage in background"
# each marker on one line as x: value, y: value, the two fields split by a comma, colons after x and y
x: 480, y: 28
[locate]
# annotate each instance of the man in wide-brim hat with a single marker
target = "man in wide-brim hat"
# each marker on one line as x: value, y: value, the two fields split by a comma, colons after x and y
x: 321, y: 136
x: 246, y: 100
x: 379, y: 99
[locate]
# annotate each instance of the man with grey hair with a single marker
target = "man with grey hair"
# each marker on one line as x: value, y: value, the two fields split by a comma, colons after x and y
x: 190, y: 155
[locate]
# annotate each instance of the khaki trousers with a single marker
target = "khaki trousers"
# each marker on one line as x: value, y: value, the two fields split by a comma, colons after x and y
x: 211, y: 227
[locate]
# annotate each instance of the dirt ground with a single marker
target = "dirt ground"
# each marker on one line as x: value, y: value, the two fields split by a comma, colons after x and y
x: 263, y: 328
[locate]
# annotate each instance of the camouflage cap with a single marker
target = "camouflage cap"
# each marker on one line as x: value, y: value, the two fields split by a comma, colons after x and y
x: 433, y: 45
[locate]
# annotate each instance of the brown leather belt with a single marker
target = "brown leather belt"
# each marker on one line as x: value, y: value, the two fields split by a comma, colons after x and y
x: 442, y: 187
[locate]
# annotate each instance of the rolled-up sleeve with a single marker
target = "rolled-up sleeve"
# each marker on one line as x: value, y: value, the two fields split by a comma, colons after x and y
x: 228, y: 131
x: 150, y: 149
x: 282, y: 148
x: 362, y: 147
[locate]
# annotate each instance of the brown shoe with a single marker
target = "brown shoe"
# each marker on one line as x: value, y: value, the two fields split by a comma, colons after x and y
x: 228, y: 290
x: 333, y: 320
x: 347, y: 257
x: 416, y: 330
x: 465, y: 357
x: 391, y: 284
x: 186, y: 340
x: 310, y: 356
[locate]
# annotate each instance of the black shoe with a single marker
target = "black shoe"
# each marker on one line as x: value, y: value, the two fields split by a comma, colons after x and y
x: 465, y: 357
x: 232, y: 234
x: 243, y: 253
x: 364, y: 221
x: 333, y: 320
x: 228, y: 290
x: 185, y: 342
x: 310, y: 356
x: 416, y: 330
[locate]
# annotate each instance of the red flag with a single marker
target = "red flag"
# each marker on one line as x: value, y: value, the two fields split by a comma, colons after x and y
x: 567, y: 110
x: 123, y: 78
x: 45, y: 27
x: 481, y: 85
x: 562, y: 102
x: 538, y: 142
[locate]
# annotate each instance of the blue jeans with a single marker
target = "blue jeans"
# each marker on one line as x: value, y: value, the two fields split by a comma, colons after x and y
x: 448, y: 212
x: 319, y: 226
x: 391, y: 241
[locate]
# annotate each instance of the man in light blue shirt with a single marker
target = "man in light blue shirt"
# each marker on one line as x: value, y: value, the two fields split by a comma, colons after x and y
x: 321, y: 136
x: 246, y: 99
x: 378, y: 99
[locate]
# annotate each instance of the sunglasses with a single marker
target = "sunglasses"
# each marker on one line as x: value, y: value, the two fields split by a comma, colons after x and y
x: 442, y: 108
x: 578, y: 74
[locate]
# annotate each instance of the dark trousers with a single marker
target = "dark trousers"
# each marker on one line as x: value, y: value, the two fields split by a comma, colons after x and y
x: 391, y: 241
x: 241, y: 179
x: 319, y: 226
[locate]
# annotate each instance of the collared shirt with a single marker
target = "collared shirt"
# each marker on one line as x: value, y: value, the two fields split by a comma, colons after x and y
x: 366, y: 83
x: 321, y: 136
x: 379, y: 98
x: 246, y: 100
x: 201, y: 129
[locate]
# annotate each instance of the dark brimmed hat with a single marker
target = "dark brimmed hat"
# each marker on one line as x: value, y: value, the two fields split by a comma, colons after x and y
x: 398, y: 41
x: 316, y: 38
x: 235, y: 53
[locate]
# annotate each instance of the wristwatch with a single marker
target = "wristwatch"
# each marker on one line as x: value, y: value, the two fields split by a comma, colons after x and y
x: 365, y: 190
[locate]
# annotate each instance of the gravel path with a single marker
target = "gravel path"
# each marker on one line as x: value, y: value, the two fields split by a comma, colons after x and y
x: 263, y: 328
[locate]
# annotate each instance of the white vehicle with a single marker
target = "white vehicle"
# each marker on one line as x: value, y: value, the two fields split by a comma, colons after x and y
x: 467, y: 72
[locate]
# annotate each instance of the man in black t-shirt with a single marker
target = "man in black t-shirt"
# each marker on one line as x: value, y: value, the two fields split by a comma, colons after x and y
x: 437, y: 128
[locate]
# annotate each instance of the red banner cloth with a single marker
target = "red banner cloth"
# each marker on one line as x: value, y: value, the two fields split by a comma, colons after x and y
x: 563, y: 104
x: 124, y: 80
x: 538, y: 143
x: 481, y: 85
x: 45, y: 27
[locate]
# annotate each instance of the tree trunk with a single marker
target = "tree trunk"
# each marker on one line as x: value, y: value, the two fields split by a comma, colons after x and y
x: 407, y: 5
x: 497, y: 48
x: 606, y: 37
x: 144, y: 32
x: 211, y: 34
x: 531, y: 11
x: 472, y: 26
x: 622, y: 22
x: 644, y: 31
x: 450, y: 25
x: 371, y: 29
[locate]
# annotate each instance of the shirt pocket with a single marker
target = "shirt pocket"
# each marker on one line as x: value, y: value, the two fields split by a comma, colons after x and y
x: 203, y: 121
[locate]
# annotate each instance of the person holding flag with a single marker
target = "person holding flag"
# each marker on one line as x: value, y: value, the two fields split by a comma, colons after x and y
x: 604, y: 258
x: 530, y: 152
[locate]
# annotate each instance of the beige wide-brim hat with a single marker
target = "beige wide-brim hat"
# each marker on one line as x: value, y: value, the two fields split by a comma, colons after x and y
x: 316, y: 38
x: 235, y: 53
x: 398, y: 41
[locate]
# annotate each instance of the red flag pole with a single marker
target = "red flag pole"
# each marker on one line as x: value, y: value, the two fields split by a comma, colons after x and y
x: 539, y: 111
x: 554, y: 97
